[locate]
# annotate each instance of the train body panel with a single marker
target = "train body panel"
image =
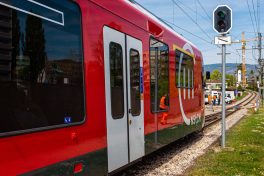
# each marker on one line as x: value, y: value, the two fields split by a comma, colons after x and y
x: 59, y: 150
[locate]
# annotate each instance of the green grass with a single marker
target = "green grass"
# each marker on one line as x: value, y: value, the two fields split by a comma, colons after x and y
x: 245, y: 156
x: 241, y: 97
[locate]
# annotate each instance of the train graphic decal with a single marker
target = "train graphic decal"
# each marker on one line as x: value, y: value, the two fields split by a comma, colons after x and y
x: 196, y: 118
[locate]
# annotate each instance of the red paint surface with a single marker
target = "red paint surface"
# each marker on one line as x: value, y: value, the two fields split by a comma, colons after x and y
x: 78, y: 168
x: 27, y: 152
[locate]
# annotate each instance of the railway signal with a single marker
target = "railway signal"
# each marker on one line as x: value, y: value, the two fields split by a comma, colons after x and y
x: 222, y: 17
x: 208, y: 75
x: 222, y: 24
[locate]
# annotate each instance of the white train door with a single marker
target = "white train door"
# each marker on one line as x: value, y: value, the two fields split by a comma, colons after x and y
x: 124, y: 102
x: 135, y: 98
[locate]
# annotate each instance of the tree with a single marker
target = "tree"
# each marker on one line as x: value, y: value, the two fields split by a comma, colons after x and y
x: 216, y: 75
x: 240, y: 88
x: 230, y: 79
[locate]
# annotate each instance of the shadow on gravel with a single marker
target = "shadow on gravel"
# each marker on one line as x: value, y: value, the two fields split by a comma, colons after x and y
x: 159, y: 157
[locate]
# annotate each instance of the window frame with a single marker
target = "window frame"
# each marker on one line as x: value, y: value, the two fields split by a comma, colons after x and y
x: 124, y: 78
x: 60, y: 126
x: 176, y: 73
x: 168, y: 109
x: 135, y: 50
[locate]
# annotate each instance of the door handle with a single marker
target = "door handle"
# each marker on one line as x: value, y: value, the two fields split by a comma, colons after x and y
x: 130, y: 122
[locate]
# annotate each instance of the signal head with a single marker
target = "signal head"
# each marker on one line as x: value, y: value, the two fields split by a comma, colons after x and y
x: 222, y: 17
x: 221, y: 14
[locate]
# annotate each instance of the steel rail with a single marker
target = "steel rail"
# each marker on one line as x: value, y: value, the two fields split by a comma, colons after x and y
x: 213, y: 118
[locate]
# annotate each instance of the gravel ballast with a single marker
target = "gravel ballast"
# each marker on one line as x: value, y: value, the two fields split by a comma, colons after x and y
x: 176, y: 160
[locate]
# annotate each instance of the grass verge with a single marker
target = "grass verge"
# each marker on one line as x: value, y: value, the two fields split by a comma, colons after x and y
x: 244, y: 154
x: 242, y: 96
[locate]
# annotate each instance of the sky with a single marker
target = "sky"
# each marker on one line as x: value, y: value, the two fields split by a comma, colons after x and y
x: 195, y: 16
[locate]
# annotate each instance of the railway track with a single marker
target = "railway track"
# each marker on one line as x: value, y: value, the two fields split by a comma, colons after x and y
x: 213, y: 118
x: 164, y: 158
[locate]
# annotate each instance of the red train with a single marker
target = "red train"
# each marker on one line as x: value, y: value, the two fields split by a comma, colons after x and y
x: 88, y: 87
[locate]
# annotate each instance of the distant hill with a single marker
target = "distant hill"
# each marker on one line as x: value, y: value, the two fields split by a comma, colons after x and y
x: 230, y: 67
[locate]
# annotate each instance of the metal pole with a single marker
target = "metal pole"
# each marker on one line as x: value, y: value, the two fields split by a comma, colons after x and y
x: 259, y: 81
x: 259, y: 60
x: 236, y: 75
x: 236, y: 81
x: 156, y: 94
x: 223, y: 95
x: 262, y: 72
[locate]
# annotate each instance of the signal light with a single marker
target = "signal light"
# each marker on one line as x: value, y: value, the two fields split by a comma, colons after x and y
x: 222, y: 19
x: 221, y: 14
x: 208, y: 75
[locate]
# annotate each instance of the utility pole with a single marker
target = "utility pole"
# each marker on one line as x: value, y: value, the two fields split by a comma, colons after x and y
x: 244, y: 82
x: 261, y: 69
x: 236, y: 75
x: 259, y: 61
x: 244, y: 41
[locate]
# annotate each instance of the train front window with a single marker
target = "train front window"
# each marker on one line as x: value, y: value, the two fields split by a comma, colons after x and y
x: 41, y: 65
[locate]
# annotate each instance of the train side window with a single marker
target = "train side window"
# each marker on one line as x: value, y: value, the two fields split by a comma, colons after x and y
x: 159, y: 76
x: 135, y: 82
x: 116, y: 80
x: 41, y: 66
x: 189, y: 71
x: 184, y: 70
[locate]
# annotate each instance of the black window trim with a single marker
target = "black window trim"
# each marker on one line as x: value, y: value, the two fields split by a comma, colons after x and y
x: 160, y: 111
x: 123, y: 91
x: 176, y: 74
x: 132, y: 49
x: 61, y: 126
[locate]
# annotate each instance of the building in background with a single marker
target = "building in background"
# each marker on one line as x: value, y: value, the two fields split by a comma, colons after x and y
x: 239, y: 77
x: 214, y: 85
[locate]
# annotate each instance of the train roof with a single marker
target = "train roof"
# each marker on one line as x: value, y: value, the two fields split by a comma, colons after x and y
x: 138, y: 15
x: 153, y: 17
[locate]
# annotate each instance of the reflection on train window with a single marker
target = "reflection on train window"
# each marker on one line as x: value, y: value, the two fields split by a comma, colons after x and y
x: 184, y: 70
x: 135, y: 82
x: 159, y: 75
x: 41, y: 68
x: 116, y: 80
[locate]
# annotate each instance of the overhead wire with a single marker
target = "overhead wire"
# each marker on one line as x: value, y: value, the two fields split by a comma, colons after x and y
x: 253, y: 4
x: 194, y: 11
x: 198, y: 24
x: 253, y: 54
x: 204, y: 10
x: 185, y: 30
x: 236, y: 37
x: 217, y: 47
x: 209, y: 42
x: 253, y: 32
x: 207, y: 50
x: 191, y: 18
x: 258, y: 14
x: 253, y: 25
